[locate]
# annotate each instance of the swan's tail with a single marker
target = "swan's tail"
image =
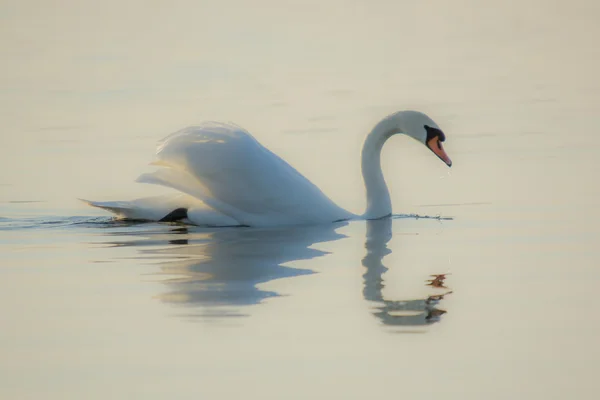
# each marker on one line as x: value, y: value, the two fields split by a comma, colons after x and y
x: 166, y: 209
x: 160, y: 208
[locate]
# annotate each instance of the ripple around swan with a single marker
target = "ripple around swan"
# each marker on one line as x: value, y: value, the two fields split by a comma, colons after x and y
x: 7, y: 223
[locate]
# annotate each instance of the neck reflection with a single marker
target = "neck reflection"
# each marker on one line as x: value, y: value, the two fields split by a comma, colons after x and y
x: 412, y: 312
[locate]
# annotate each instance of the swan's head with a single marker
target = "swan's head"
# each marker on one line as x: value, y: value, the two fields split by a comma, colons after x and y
x: 422, y: 128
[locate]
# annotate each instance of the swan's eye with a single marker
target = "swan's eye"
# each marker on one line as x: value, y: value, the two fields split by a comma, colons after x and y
x: 434, y: 133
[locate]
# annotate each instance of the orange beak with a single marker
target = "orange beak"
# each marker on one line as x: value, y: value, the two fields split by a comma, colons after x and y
x: 435, y: 145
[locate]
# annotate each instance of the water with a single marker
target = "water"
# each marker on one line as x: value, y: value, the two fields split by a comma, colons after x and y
x: 492, y: 295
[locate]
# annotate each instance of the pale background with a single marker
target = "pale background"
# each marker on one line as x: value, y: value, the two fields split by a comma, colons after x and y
x: 87, y: 89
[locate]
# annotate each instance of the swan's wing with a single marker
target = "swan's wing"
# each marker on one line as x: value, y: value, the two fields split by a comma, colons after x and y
x: 226, y: 168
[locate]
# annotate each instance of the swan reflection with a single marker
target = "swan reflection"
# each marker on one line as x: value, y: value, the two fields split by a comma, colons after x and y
x: 412, y: 312
x: 218, y: 273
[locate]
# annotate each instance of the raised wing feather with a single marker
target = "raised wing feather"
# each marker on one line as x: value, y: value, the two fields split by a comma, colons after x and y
x: 225, y: 167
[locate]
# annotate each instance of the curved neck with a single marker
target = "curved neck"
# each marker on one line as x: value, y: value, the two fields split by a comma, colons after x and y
x: 379, y: 203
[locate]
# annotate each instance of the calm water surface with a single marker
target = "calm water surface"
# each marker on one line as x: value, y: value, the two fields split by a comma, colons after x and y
x: 482, y: 285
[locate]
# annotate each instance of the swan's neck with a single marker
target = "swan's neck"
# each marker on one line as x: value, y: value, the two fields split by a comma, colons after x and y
x: 379, y: 203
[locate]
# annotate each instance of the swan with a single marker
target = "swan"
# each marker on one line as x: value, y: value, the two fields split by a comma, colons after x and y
x: 225, y: 177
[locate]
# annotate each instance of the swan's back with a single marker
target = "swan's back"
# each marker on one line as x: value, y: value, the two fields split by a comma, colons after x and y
x: 224, y: 166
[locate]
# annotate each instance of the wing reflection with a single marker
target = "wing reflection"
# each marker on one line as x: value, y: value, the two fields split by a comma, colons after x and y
x: 414, y: 312
x: 222, y: 270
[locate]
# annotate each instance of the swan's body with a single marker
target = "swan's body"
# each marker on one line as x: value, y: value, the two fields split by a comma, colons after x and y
x: 226, y: 177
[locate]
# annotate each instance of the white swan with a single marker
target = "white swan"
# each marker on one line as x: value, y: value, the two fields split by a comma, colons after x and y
x: 227, y: 178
